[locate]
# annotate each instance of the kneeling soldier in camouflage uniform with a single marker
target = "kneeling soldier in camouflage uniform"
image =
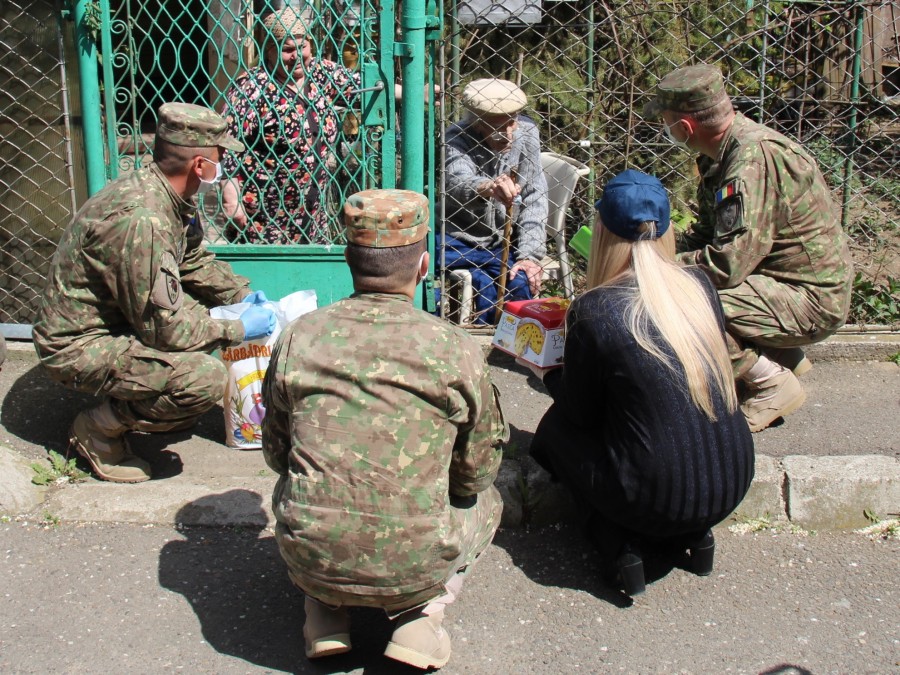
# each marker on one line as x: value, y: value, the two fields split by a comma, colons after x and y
x: 769, y: 237
x: 125, y: 310
x: 386, y: 430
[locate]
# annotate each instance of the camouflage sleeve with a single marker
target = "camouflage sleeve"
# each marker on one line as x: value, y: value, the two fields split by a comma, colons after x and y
x: 150, y: 295
x: 531, y: 222
x: 276, y: 425
x: 482, y: 429
x: 742, y: 217
x: 203, y: 276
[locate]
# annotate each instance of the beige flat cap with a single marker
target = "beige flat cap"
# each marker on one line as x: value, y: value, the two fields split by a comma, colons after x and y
x: 489, y: 96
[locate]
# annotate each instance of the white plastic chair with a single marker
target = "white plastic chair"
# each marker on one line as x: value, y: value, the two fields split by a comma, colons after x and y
x: 562, y: 175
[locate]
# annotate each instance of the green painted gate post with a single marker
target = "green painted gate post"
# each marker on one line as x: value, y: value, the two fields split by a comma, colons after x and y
x: 412, y: 114
x: 91, y: 112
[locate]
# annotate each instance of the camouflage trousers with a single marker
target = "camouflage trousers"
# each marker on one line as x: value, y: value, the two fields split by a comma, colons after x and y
x: 152, y: 390
x: 762, y: 312
x: 477, y: 518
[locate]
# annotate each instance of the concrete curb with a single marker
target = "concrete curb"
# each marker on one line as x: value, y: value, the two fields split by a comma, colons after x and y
x: 851, y: 346
x: 814, y: 493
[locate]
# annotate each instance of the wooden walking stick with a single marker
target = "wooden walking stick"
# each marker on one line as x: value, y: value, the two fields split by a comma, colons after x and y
x: 504, y: 258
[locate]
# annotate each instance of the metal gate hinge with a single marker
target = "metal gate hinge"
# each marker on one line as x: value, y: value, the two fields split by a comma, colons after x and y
x: 403, y: 50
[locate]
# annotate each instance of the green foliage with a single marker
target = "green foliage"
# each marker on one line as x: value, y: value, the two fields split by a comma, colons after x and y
x: 875, y: 303
x: 60, y: 470
x: 895, y: 358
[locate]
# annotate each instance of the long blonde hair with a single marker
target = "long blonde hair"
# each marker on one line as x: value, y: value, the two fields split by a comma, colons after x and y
x: 674, y: 302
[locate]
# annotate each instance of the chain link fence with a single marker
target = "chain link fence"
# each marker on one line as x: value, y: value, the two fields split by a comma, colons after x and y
x: 37, y: 183
x: 307, y: 144
x: 824, y: 73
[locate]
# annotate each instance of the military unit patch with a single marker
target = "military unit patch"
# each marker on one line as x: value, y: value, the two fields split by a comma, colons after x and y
x: 728, y: 190
x: 167, y: 292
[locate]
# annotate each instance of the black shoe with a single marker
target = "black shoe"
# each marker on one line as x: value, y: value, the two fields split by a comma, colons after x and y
x: 631, y: 570
x: 702, y: 553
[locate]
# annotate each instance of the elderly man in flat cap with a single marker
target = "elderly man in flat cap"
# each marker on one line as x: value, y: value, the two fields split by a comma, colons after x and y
x: 493, y: 163
x: 125, y: 310
x: 768, y: 236
x: 386, y: 430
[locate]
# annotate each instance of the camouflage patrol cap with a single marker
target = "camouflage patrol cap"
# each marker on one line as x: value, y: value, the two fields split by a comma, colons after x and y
x: 386, y: 218
x: 194, y: 126
x: 490, y: 96
x: 687, y: 90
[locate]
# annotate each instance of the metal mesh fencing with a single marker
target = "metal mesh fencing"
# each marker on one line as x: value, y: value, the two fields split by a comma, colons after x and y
x: 824, y: 73
x: 37, y: 193
x: 301, y: 91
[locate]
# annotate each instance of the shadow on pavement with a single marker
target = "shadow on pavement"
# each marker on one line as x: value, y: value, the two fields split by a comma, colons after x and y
x: 559, y: 556
x: 39, y: 411
x: 237, y: 585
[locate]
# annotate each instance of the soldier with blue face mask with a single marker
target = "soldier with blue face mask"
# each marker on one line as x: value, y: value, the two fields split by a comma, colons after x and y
x: 125, y: 310
x: 768, y: 236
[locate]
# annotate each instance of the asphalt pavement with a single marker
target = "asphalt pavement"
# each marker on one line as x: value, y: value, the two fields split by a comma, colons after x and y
x: 182, y: 573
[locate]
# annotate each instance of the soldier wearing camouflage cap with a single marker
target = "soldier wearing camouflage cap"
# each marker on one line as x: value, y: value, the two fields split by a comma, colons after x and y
x: 768, y: 236
x: 125, y: 310
x: 493, y: 173
x: 368, y: 402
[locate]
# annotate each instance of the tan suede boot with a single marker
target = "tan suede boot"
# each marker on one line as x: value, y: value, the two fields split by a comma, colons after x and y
x: 791, y: 358
x: 99, y: 437
x: 326, y: 631
x: 773, y: 391
x: 420, y: 640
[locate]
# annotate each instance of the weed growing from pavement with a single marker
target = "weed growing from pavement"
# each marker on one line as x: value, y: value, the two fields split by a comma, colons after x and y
x: 511, y: 450
x: 60, y: 470
x: 881, y: 528
x: 49, y: 520
x: 895, y: 358
x: 746, y: 525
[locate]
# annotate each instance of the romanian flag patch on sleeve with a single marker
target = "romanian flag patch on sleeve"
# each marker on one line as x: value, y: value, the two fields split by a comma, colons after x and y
x: 728, y: 190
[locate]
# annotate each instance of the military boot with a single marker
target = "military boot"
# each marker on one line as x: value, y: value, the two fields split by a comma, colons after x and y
x: 99, y: 437
x: 326, y: 631
x: 791, y: 358
x: 772, y: 391
x: 420, y: 640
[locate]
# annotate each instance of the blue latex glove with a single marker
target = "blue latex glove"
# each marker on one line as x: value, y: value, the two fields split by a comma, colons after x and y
x: 258, y: 322
x: 256, y: 298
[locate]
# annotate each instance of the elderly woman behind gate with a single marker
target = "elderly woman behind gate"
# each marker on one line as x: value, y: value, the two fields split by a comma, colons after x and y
x: 284, y: 112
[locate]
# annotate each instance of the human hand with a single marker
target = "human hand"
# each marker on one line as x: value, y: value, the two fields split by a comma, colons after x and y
x: 231, y: 203
x: 502, y: 188
x: 532, y: 270
x: 258, y: 322
x: 256, y: 298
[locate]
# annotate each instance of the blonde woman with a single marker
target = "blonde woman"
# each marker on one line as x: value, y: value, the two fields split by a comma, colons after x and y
x: 645, y: 426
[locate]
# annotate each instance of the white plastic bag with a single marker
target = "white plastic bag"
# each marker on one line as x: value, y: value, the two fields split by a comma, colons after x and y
x: 247, y: 363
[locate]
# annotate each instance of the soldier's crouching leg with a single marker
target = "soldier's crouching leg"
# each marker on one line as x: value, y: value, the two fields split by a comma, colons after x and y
x: 763, y: 314
x: 419, y: 638
x: 164, y: 391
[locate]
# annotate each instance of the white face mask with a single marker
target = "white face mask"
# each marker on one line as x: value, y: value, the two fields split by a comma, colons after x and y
x: 419, y: 276
x: 667, y: 130
x: 207, y: 185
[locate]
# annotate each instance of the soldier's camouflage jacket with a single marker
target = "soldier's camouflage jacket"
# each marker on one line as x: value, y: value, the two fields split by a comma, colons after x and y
x: 375, y: 413
x: 765, y: 209
x: 120, y: 274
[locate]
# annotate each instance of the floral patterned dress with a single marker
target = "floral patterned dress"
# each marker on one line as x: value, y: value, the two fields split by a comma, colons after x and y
x: 288, y: 136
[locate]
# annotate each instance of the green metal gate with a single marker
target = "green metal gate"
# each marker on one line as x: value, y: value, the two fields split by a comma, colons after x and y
x: 213, y: 54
